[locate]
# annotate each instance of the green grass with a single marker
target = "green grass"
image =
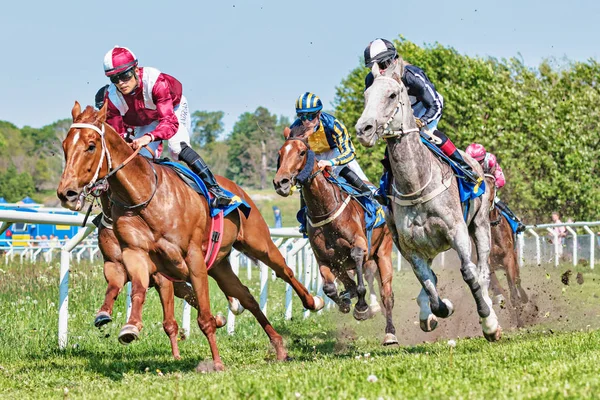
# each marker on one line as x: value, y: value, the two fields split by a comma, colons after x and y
x: 333, y: 354
x: 266, y: 199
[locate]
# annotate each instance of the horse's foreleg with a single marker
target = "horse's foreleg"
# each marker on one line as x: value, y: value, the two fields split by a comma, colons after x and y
x: 116, y: 278
x: 497, y: 289
x: 138, y: 265
x: 359, y: 255
x: 370, y: 272
x: 166, y: 293
x: 478, y: 280
x: 231, y: 285
x: 430, y: 303
x: 206, y: 321
x: 330, y: 289
x: 260, y: 246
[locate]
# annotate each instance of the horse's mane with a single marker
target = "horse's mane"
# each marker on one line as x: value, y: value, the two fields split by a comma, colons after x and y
x: 299, y: 132
x: 88, y: 115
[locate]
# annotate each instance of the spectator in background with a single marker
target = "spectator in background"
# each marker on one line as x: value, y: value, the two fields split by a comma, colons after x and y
x: 560, y: 232
x: 277, y: 214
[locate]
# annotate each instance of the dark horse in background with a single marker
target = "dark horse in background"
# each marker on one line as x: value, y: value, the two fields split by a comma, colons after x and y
x: 503, y: 256
x: 336, y: 230
x: 162, y: 225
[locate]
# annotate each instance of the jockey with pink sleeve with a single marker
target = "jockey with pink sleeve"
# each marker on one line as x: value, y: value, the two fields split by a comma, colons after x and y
x: 150, y: 106
x: 491, y: 166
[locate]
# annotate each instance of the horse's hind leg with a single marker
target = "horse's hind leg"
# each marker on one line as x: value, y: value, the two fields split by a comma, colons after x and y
x: 478, y: 280
x: 164, y: 287
x: 231, y: 285
x: 116, y: 278
x: 370, y: 273
x: 260, y: 246
x: 497, y: 289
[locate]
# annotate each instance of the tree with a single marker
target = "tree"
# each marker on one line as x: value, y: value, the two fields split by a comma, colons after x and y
x: 207, y: 126
x: 15, y: 186
x: 251, y: 133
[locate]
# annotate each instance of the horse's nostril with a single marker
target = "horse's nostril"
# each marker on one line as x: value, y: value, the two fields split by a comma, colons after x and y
x: 284, y: 181
x: 368, y: 128
x: 71, y: 195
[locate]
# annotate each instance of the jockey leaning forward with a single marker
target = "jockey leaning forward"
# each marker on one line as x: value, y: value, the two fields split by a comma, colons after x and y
x: 330, y: 141
x: 426, y: 102
x: 491, y: 166
x: 147, y: 106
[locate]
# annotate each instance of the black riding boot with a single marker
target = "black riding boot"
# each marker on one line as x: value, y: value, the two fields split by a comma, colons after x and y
x: 353, y: 179
x: 504, y: 208
x: 197, y: 164
x: 302, y: 229
x: 472, y: 175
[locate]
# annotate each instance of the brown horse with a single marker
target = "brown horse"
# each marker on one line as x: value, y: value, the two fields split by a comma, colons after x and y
x: 336, y: 231
x: 162, y: 225
x: 503, y: 256
x: 116, y: 278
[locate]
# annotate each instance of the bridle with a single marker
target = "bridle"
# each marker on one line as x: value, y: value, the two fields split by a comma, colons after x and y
x: 388, y: 129
x: 97, y: 186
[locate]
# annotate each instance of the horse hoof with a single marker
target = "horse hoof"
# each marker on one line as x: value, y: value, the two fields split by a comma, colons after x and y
x: 375, y: 308
x: 450, y: 306
x: 344, y: 308
x: 102, y: 318
x: 429, y: 324
x: 128, y: 334
x: 209, y: 366
x: 494, y: 336
x: 361, y: 315
x: 390, y: 339
x: 500, y: 301
x: 319, y: 303
x: 235, y: 306
x: 221, y: 320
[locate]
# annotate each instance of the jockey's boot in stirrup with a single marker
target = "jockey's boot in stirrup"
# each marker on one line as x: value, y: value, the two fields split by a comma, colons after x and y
x: 353, y: 179
x: 472, y: 175
x: 198, y: 165
x: 504, y: 208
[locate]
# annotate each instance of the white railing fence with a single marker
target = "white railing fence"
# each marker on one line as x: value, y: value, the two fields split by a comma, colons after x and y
x: 532, y: 249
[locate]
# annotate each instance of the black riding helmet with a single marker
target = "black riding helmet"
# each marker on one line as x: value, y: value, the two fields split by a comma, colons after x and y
x: 379, y: 50
x: 99, y: 99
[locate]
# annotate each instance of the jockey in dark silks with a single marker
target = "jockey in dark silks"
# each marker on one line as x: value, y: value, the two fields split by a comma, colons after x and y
x: 426, y: 102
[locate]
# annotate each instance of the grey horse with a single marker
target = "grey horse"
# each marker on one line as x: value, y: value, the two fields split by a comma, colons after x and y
x: 427, y: 216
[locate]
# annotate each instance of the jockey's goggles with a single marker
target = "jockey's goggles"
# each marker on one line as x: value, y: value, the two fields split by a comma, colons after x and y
x: 307, y: 116
x: 384, y: 64
x: 123, y: 77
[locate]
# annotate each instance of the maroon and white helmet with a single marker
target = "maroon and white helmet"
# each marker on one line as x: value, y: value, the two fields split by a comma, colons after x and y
x: 118, y: 60
x: 477, y: 151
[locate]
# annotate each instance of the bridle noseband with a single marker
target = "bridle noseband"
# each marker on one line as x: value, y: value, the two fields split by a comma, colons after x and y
x: 96, y: 186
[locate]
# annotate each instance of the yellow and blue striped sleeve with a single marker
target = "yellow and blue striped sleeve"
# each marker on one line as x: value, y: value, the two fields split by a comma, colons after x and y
x: 344, y: 144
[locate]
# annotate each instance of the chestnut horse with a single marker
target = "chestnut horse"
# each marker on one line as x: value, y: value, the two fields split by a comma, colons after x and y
x: 116, y: 278
x: 162, y: 225
x: 336, y: 231
x: 503, y: 256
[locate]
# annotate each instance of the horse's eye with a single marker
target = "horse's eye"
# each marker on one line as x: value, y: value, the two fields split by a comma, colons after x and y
x: 92, y: 147
x: 393, y: 96
x: 302, y: 153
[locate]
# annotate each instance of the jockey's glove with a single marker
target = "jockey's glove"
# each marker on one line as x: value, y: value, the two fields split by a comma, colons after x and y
x: 420, y: 123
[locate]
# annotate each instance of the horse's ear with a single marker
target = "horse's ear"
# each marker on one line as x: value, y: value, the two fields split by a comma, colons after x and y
x: 76, y: 110
x: 286, y: 132
x: 102, y: 113
x: 375, y: 70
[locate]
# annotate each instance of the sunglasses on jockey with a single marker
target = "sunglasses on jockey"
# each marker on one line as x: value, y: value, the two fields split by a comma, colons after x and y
x: 307, y: 116
x: 384, y: 64
x: 123, y: 76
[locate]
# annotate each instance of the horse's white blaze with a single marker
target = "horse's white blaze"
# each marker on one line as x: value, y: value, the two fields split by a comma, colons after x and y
x: 288, y: 147
x: 76, y: 137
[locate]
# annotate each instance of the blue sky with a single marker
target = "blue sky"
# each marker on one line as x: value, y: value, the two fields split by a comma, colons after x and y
x: 236, y: 55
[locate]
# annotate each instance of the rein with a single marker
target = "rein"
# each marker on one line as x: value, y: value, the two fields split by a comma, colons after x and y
x: 388, y: 131
x: 97, y: 186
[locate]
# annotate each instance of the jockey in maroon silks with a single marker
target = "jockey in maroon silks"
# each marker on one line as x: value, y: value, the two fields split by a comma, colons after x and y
x: 491, y: 166
x: 147, y: 106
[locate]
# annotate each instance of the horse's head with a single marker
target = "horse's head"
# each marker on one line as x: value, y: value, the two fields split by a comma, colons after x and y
x: 293, y: 157
x: 387, y: 106
x: 84, y: 156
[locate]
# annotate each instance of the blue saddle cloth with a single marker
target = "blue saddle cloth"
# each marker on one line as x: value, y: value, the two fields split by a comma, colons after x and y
x: 466, y: 188
x: 374, y: 215
x: 199, y: 186
x: 513, y: 224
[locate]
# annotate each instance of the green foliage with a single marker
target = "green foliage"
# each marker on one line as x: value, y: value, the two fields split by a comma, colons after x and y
x: 207, y: 126
x: 253, y: 148
x: 14, y: 186
x: 542, y: 124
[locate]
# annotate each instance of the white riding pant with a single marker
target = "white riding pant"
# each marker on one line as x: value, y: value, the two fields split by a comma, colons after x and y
x: 182, y: 135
